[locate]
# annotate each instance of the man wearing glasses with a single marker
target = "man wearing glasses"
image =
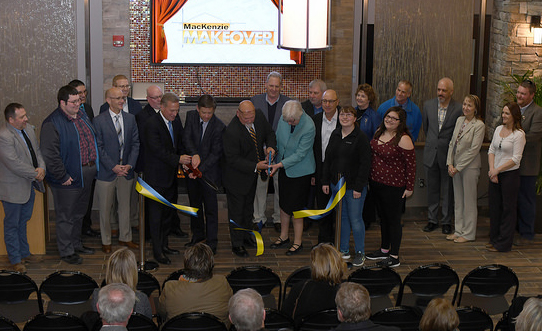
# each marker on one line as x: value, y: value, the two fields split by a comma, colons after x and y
x: 68, y: 145
x: 531, y: 121
x: 130, y: 105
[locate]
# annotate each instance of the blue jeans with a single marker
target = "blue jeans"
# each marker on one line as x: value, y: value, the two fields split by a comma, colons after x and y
x: 16, y: 216
x: 352, y: 220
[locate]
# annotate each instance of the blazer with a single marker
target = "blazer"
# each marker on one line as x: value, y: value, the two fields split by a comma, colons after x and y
x: 467, y: 150
x: 295, y: 149
x: 308, y: 107
x: 89, y: 111
x: 261, y: 104
x: 141, y: 119
x: 210, y: 149
x: 16, y: 169
x: 532, y: 126
x: 317, y: 147
x: 436, y: 142
x: 161, y: 154
x: 108, y: 145
x: 240, y: 153
x: 134, y: 107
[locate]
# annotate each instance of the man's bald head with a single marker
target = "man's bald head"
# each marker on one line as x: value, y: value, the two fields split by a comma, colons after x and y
x: 154, y: 96
x: 445, y: 89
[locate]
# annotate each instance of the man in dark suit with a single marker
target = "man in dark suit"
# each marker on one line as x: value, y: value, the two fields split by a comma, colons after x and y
x: 202, y: 140
x: 130, y: 105
x: 163, y: 154
x: 118, y: 147
x: 324, y: 123
x: 439, y: 117
x: 87, y: 109
x: 21, y: 168
x: 270, y: 103
x: 244, y: 163
x: 530, y: 162
x: 313, y: 105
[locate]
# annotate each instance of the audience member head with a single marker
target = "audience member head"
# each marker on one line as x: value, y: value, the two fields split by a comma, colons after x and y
x: 115, y: 304
x: 439, y: 315
x: 81, y: 89
x: 121, y: 82
x: 353, y: 303
x: 365, y: 96
x: 403, y: 92
x: 327, y: 264
x: 530, y: 318
x: 246, y: 112
x: 394, y: 120
x: 68, y: 100
x: 122, y: 268
x: 273, y: 85
x: 330, y: 101
x: 247, y: 311
x: 525, y: 93
x: 154, y: 95
x: 206, y: 107
x: 292, y: 111
x: 316, y: 90
x: 199, y: 262
x: 472, y: 104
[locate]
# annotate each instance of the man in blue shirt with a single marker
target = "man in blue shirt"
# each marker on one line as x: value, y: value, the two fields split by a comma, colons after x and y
x: 313, y: 105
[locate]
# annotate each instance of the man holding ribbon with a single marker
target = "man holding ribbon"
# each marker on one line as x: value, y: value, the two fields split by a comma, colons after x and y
x: 163, y: 154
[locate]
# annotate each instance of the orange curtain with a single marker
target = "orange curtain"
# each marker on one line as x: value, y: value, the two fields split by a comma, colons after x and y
x: 294, y: 55
x: 162, y: 11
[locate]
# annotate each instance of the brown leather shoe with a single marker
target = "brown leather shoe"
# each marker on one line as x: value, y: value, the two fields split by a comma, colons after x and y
x: 18, y: 267
x: 492, y: 249
x: 129, y: 244
x: 106, y: 249
x: 32, y: 259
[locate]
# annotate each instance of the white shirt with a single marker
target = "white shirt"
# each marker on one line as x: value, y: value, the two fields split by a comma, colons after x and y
x: 507, y: 148
x: 327, y: 128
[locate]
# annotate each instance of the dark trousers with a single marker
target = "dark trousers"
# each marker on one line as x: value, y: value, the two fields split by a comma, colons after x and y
x: 439, y: 185
x: 160, y: 218
x: 325, y: 224
x: 390, y: 205
x: 70, y: 208
x: 503, y: 198
x: 240, y: 210
x: 526, y: 206
x: 87, y: 220
x: 204, y: 198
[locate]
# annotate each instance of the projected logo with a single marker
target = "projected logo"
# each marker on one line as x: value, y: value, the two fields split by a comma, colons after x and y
x: 218, y: 33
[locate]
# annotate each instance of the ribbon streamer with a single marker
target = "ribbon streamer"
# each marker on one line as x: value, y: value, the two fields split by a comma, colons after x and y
x: 338, y: 190
x: 257, y: 236
x: 144, y: 189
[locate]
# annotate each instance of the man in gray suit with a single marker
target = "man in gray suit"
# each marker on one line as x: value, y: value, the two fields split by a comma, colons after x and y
x: 21, y: 168
x: 439, y: 117
x: 118, y: 148
x: 530, y: 162
x: 270, y: 103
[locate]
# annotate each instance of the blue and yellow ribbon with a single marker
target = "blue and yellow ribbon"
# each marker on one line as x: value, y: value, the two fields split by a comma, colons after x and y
x: 338, y: 192
x: 144, y: 189
x: 257, y: 236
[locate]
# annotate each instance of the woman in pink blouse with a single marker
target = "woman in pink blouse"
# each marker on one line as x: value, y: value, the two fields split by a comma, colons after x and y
x: 393, y: 170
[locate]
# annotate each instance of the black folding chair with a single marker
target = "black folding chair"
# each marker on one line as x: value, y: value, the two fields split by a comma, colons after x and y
x: 15, y: 292
x: 276, y: 320
x: 299, y: 275
x: 194, y: 322
x: 379, y: 282
x: 322, y: 320
x: 488, y: 286
x: 54, y: 321
x: 426, y: 283
x: 259, y: 278
x: 404, y: 317
x: 474, y: 319
x: 8, y: 325
x: 175, y: 275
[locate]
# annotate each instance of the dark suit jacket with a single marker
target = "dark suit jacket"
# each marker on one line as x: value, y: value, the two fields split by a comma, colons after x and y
x: 108, y: 145
x: 161, y: 154
x: 318, y: 143
x: 308, y: 107
x: 134, y: 107
x: 142, y: 118
x: 436, y: 142
x: 89, y: 111
x: 532, y: 125
x: 261, y: 104
x: 210, y: 149
x: 240, y: 153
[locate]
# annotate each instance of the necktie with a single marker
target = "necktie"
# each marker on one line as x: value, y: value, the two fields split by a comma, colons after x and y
x: 201, y: 130
x: 31, y: 149
x: 120, y: 136
x: 253, y: 136
x: 170, y: 127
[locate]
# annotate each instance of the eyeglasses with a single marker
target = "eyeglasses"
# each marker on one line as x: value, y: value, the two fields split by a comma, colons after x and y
x: 82, y: 92
x: 346, y: 115
x: 156, y: 98
x: 123, y: 86
x: 391, y: 118
x: 500, y: 142
x: 528, y: 81
x: 76, y: 102
x: 328, y: 101
x: 117, y: 98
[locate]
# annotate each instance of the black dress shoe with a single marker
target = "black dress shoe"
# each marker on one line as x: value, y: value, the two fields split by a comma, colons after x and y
x: 162, y: 259
x: 72, y: 259
x: 250, y: 242
x: 179, y: 233
x: 430, y: 227
x: 84, y: 250
x: 167, y: 250
x: 91, y: 233
x: 240, y: 251
x: 446, y: 229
